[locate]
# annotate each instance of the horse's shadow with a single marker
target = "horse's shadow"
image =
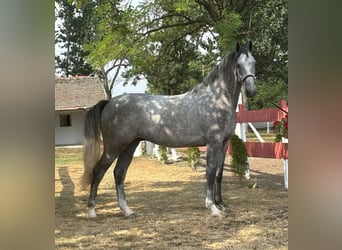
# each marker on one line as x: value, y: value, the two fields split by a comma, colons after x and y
x: 66, y: 197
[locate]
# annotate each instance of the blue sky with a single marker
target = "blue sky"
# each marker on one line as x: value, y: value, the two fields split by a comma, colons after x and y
x: 120, y: 89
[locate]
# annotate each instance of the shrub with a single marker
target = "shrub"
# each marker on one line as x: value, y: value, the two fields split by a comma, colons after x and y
x: 239, y: 155
x: 193, y: 157
x: 163, y: 153
x: 281, y: 128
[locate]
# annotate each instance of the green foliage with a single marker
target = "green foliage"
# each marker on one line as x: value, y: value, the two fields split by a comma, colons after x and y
x: 163, y: 153
x: 268, y: 92
x: 171, y: 73
x: 184, y: 5
x: 281, y: 128
x: 267, y: 25
x: 73, y: 31
x: 227, y: 28
x: 164, y: 41
x: 239, y: 156
x: 193, y: 157
x: 112, y: 40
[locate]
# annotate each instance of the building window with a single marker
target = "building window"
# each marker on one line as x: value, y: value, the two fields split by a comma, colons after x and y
x: 64, y: 120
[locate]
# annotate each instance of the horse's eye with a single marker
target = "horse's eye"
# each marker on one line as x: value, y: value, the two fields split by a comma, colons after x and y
x: 238, y: 66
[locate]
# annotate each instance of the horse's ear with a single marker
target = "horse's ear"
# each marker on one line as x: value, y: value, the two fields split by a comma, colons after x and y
x: 250, y: 46
x: 237, y: 47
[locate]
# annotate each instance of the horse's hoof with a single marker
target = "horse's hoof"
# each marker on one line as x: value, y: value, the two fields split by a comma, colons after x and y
x: 222, y: 206
x: 131, y: 216
x: 220, y: 214
x: 127, y: 212
x: 91, y: 213
x: 215, y: 211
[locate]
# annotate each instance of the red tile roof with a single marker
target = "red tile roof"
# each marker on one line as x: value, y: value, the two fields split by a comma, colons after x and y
x: 79, y: 92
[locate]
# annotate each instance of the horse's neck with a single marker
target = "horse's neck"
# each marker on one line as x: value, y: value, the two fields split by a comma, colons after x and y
x: 227, y: 81
x: 228, y: 92
x: 221, y: 84
x: 236, y: 98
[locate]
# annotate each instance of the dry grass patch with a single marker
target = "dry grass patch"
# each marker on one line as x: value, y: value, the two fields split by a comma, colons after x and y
x: 169, y: 202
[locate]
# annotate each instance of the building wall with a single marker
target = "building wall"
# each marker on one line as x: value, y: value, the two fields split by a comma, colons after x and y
x: 72, y: 135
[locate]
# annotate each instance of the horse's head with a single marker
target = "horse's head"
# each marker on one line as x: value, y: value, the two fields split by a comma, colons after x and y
x: 245, y: 69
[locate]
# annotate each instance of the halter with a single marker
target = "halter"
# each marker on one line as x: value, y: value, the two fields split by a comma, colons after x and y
x: 243, y: 79
x: 247, y: 77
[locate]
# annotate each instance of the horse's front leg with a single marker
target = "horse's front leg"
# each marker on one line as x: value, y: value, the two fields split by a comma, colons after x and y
x: 218, y: 180
x: 217, y: 188
x: 214, y: 159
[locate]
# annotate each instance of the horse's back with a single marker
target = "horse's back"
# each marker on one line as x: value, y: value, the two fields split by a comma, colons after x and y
x: 174, y: 121
x: 166, y: 120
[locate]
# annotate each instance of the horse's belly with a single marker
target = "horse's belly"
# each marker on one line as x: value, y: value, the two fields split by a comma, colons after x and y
x: 172, y: 137
x: 172, y: 143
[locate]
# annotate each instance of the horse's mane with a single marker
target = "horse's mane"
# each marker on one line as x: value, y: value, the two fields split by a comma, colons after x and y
x: 224, y: 70
x: 218, y: 71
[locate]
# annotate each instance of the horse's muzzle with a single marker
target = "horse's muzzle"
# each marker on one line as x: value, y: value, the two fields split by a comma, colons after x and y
x: 250, y: 88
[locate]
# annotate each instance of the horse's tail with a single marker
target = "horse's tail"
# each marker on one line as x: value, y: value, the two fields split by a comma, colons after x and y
x: 91, y: 143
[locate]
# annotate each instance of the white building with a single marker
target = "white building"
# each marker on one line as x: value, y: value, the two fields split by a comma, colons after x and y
x: 73, y: 97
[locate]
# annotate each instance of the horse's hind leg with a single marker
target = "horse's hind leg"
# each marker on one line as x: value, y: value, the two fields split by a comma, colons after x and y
x: 120, y: 171
x: 98, y: 172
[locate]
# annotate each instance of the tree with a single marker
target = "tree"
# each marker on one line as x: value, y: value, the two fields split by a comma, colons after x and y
x: 73, y: 32
x: 266, y: 23
x: 270, y: 33
x: 270, y: 90
x: 174, y: 44
x: 171, y: 37
x: 112, y: 41
x: 174, y: 71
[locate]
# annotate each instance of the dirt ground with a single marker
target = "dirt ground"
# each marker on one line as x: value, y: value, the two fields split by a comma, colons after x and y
x: 168, y: 200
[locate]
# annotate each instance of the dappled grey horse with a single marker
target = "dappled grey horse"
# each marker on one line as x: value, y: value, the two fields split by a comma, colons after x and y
x: 202, y: 116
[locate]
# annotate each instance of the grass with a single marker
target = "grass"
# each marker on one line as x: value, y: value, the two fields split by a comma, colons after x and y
x: 65, y: 156
x: 268, y: 137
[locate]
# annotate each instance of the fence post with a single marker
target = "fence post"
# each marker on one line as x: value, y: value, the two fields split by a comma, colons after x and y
x: 240, y: 130
x: 286, y: 173
x: 242, y: 125
x: 286, y: 166
x: 284, y: 106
